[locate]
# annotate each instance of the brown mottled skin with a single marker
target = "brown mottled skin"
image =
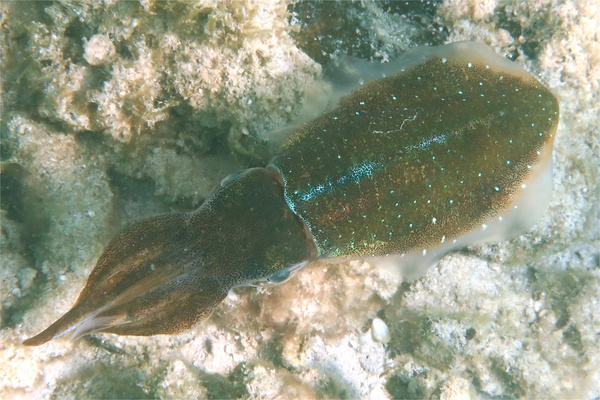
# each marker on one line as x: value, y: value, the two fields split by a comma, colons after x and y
x: 405, y: 162
x: 163, y: 274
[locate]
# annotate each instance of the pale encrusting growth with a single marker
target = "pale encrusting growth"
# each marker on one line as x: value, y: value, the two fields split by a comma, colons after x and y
x: 515, y: 319
x: 175, y: 83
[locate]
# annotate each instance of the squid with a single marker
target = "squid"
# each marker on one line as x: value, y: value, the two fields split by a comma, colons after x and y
x: 445, y: 147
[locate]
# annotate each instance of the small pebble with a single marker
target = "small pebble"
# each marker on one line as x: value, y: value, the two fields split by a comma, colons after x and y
x: 380, y: 331
x: 99, y: 50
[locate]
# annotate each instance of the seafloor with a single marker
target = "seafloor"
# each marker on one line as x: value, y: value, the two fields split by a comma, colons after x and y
x: 117, y: 110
